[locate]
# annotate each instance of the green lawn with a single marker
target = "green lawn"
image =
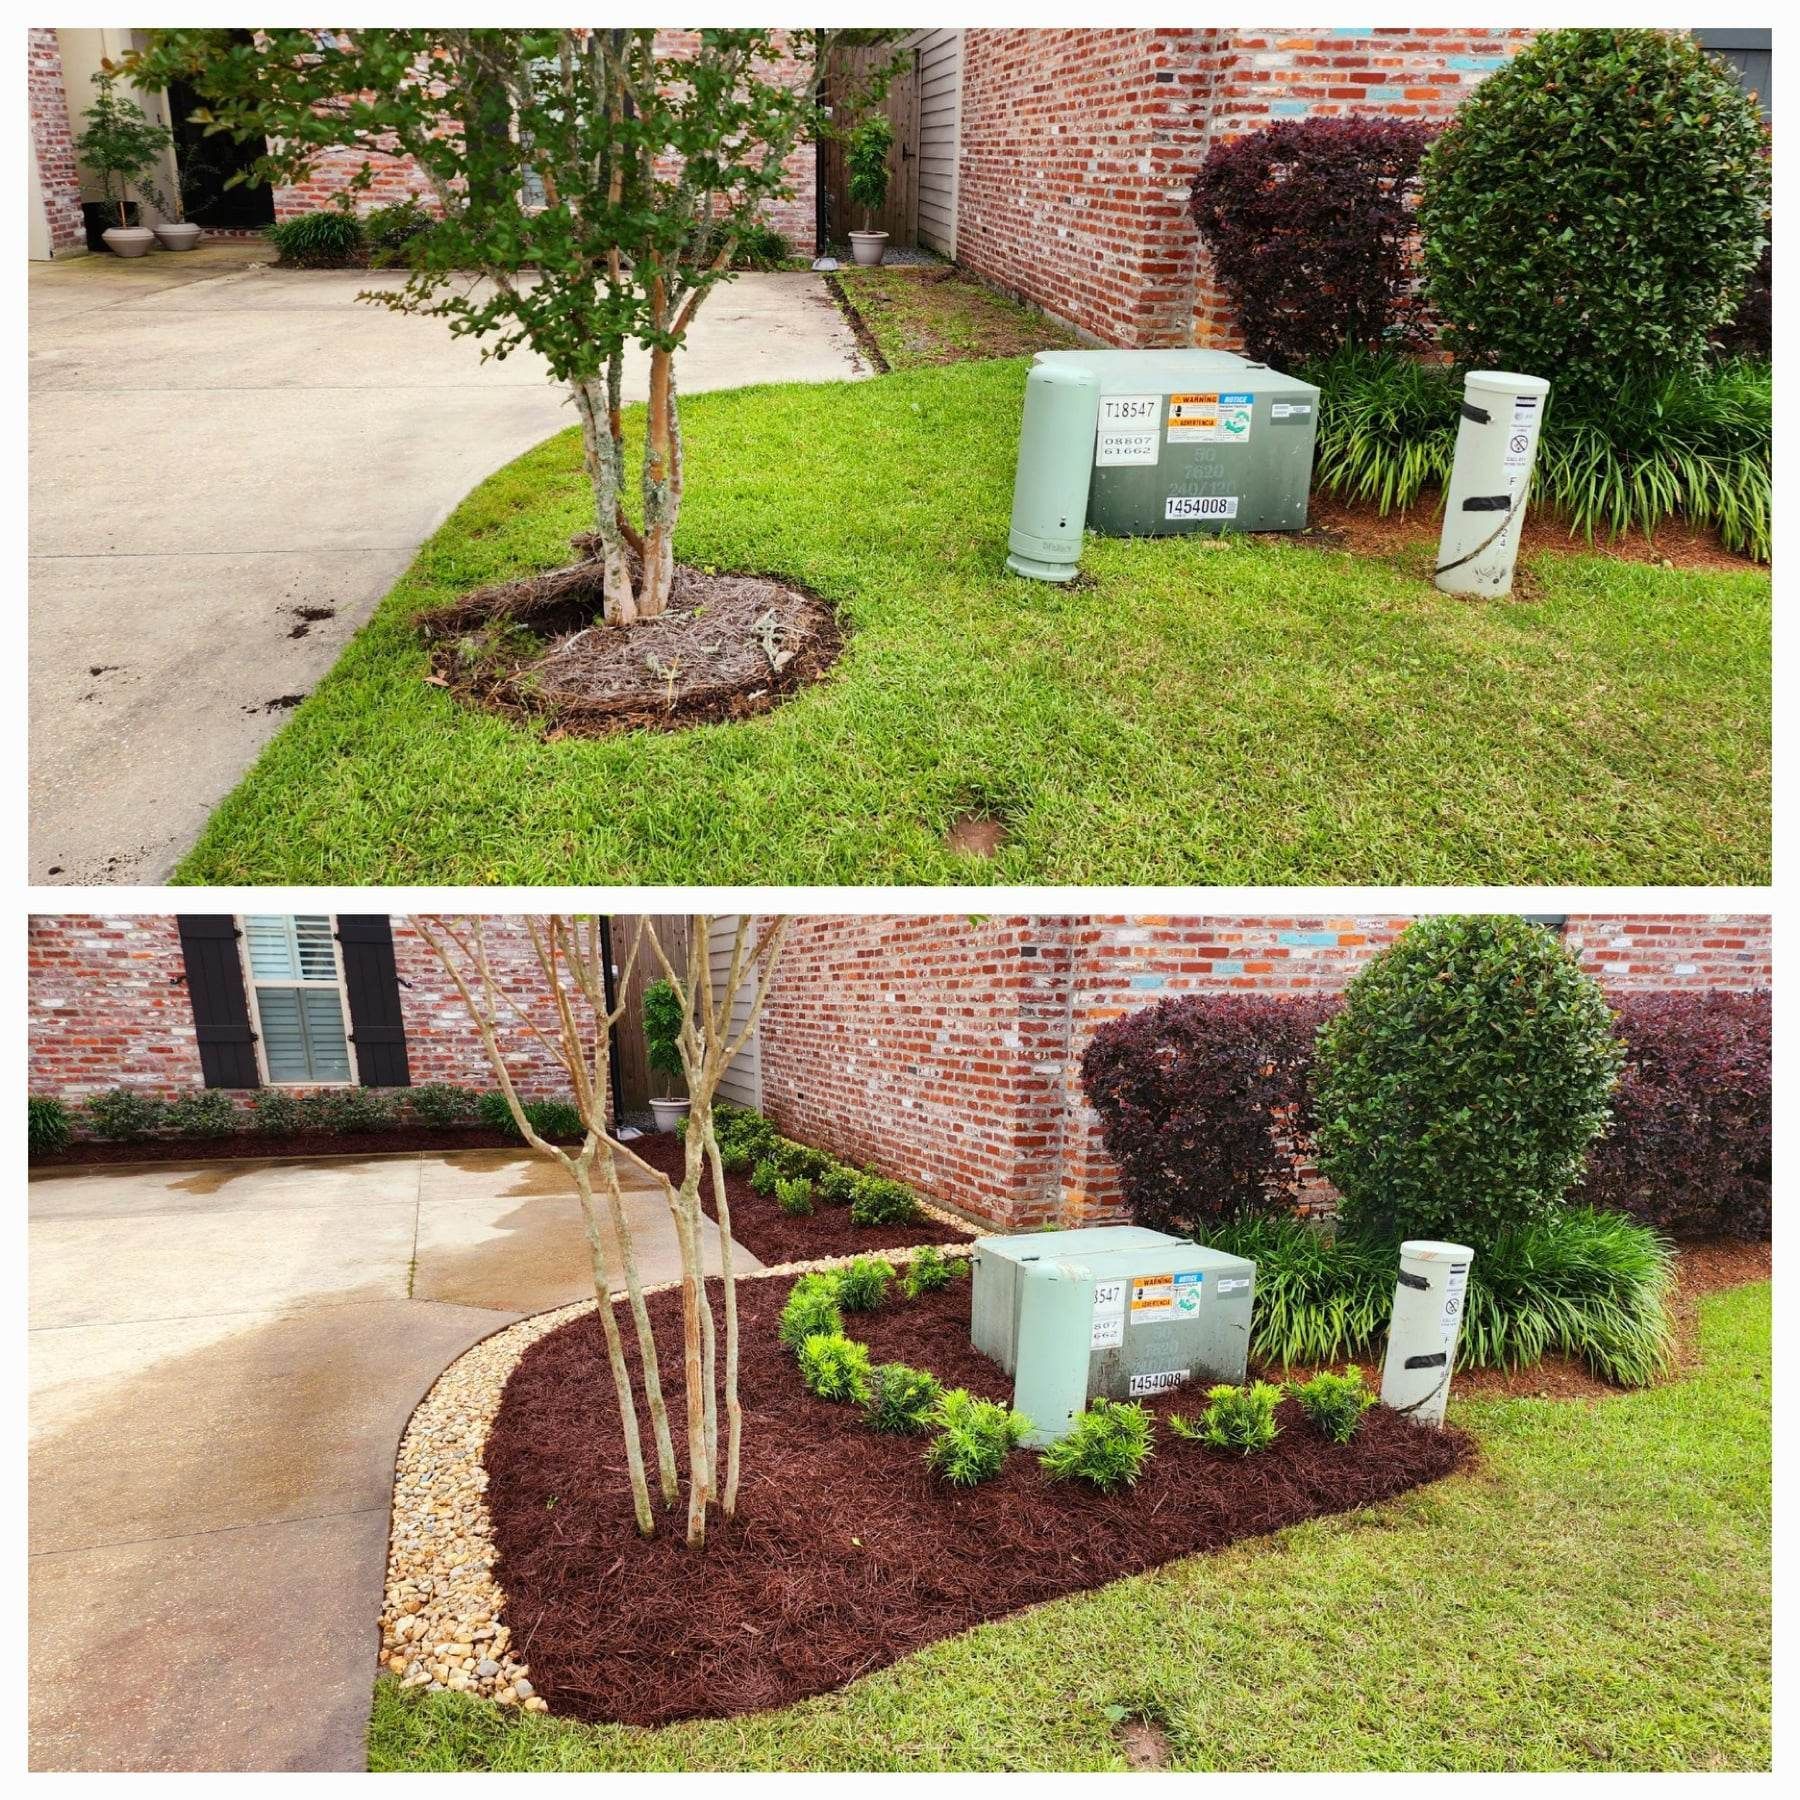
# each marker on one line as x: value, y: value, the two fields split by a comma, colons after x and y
x: 1595, y: 1596
x: 1198, y: 710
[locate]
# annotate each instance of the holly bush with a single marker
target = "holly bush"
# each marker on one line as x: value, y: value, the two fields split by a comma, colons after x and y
x: 1595, y: 209
x: 1458, y: 1088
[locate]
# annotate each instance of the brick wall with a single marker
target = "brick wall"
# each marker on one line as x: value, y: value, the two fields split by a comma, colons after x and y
x: 53, y: 141
x: 949, y: 1053
x: 108, y: 1007
x: 1079, y: 147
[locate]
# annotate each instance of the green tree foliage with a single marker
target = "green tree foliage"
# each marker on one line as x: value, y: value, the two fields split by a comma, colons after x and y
x: 599, y: 182
x: 1595, y: 210
x: 866, y: 160
x: 117, y: 141
x: 662, y: 1028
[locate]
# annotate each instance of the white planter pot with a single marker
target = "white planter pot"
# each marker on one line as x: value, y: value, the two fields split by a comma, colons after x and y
x: 667, y: 1112
x: 868, y: 247
x: 177, y: 237
x: 128, y: 240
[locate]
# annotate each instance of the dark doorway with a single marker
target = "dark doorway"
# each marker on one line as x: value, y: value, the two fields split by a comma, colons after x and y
x: 208, y: 163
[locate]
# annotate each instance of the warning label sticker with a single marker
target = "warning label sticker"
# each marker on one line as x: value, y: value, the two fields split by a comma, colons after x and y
x: 1200, y: 506
x: 1456, y: 1284
x: 1211, y: 418
x: 1522, y: 433
x: 1152, y: 1299
x: 1159, y: 1383
x: 1229, y: 1284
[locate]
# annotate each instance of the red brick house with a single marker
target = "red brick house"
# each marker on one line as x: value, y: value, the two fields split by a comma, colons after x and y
x: 945, y: 1051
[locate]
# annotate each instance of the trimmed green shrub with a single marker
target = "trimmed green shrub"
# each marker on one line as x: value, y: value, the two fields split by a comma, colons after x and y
x: 811, y: 1310
x: 734, y: 1159
x: 1460, y: 1084
x: 390, y: 231
x: 1698, y: 447
x: 1108, y: 1447
x: 930, y: 1270
x: 836, y: 1367
x: 204, y: 1113
x: 1335, y: 1403
x: 973, y: 1437
x: 1236, y: 1418
x: 802, y: 1160
x: 875, y: 1200
x: 795, y: 1197
x: 122, y: 1115
x: 48, y: 1127
x: 442, y: 1104
x: 1595, y: 209
x: 279, y: 1113
x: 327, y: 239
x: 353, y: 1109
x: 837, y: 1186
x: 558, y: 1120
x: 902, y: 1399
x: 863, y: 1285
x: 765, y: 1175
x: 662, y: 1029
x: 760, y: 247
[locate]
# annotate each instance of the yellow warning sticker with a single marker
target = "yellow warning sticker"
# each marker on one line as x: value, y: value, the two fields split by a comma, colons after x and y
x: 1193, y: 415
x: 1152, y: 1299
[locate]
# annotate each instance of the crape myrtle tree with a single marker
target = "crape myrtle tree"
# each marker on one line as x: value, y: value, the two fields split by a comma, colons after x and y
x: 597, y: 179
x: 570, y: 1019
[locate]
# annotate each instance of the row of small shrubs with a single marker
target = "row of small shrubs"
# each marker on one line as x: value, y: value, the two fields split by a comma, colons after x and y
x: 800, y: 1177
x: 124, y: 1115
x: 336, y: 238
x: 1207, y: 1108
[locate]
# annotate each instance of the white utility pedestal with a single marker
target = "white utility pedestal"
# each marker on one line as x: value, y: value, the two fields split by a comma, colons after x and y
x: 1428, y: 1310
x: 1484, y: 512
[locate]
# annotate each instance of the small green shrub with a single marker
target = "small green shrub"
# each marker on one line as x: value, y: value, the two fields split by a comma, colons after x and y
x: 811, y: 1310
x: 49, y: 1127
x: 972, y: 1438
x: 902, y: 1399
x: 558, y: 1120
x: 743, y: 1128
x: 795, y: 1198
x: 1108, y: 1447
x: 765, y: 1175
x: 279, y: 1113
x: 353, y: 1109
x: 836, y: 1367
x: 389, y: 231
x: 122, y: 1115
x: 802, y: 1160
x: 1236, y: 1418
x: 760, y: 247
x: 443, y: 1105
x: 1595, y: 209
x: 1460, y: 1084
x: 930, y: 1270
x: 1335, y: 1403
x: 493, y: 1112
x: 205, y: 1113
x: 837, y: 1186
x: 875, y: 1200
x: 734, y: 1159
x: 327, y: 239
x: 863, y: 1286
x: 663, y: 1015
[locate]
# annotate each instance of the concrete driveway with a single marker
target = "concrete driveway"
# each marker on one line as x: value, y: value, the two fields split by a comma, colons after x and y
x: 230, y: 465
x: 223, y: 1357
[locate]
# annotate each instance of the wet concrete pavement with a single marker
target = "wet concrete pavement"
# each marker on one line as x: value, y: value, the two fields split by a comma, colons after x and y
x: 223, y: 1357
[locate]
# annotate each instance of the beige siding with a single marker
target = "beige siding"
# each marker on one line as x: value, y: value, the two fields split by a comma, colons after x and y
x: 742, y: 1082
x: 940, y: 113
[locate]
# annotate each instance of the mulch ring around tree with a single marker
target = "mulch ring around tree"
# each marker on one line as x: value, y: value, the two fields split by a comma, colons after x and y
x: 847, y: 1553
x: 725, y: 647
x: 774, y: 1237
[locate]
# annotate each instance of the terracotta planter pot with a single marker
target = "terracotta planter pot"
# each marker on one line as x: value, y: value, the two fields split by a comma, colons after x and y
x: 868, y: 247
x: 177, y: 237
x: 668, y: 1111
x: 129, y: 240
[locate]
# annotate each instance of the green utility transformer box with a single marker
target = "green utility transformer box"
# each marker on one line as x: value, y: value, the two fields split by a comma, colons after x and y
x: 1146, y: 443
x: 1114, y: 1310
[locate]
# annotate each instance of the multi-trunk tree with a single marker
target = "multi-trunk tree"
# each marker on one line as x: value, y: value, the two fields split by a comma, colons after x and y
x: 597, y: 180
x: 570, y: 1017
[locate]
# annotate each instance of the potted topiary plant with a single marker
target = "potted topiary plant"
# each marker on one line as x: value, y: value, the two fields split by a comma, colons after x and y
x: 121, y: 146
x: 866, y: 157
x: 662, y: 1029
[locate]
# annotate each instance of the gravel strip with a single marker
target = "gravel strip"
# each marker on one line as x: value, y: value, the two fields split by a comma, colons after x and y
x: 441, y: 1617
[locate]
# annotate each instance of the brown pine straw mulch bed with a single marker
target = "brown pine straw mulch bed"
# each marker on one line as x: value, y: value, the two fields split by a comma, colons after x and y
x: 847, y: 1554
x: 726, y: 647
x: 772, y: 1237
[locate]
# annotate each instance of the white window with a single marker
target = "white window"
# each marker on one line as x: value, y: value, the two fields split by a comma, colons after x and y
x: 296, y: 983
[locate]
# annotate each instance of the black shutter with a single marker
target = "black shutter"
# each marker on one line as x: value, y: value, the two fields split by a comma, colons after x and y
x: 376, y: 1027
x: 215, y: 980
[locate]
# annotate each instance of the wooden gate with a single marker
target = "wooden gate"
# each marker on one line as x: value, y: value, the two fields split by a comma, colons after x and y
x: 636, y: 1082
x: 900, y: 217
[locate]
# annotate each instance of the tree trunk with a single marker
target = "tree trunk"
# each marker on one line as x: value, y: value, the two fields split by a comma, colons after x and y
x: 660, y: 501
x: 599, y: 456
x: 640, y: 1313
x: 734, y: 1411
x: 615, y: 1355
